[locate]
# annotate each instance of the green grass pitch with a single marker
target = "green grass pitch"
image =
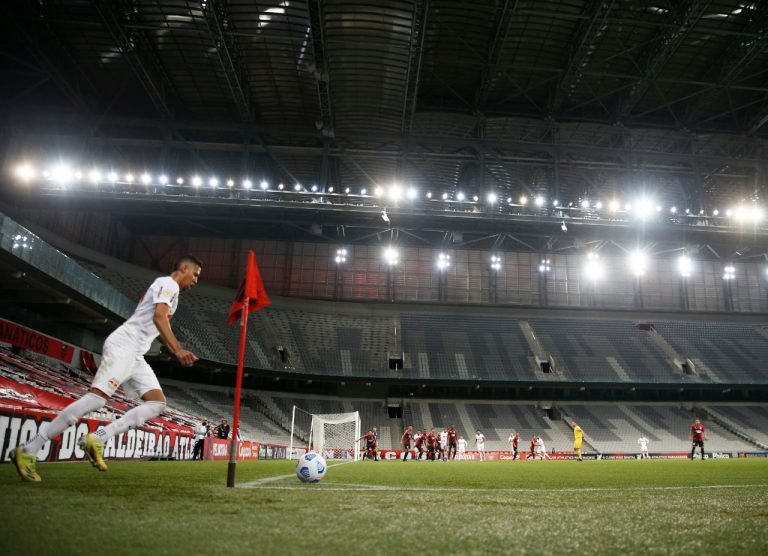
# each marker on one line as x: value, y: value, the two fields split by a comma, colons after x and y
x: 559, y: 507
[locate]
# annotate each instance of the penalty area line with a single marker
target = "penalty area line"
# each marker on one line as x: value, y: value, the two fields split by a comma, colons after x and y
x: 266, y: 480
x: 354, y: 487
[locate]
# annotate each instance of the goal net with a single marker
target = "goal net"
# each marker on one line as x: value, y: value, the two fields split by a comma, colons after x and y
x: 333, y: 435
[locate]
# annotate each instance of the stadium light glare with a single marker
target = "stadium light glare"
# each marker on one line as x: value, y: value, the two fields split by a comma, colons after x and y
x: 197, y: 181
x: 230, y: 183
x: 644, y: 209
x: 673, y: 210
x: 638, y: 261
x: 247, y: 184
x: 62, y: 174
x: 429, y: 194
x: 445, y: 196
x: 341, y: 256
x: 593, y: 267
x: 395, y: 192
x: 539, y: 201
x: 346, y: 190
x: 555, y: 203
x: 391, y: 256
x: 78, y: 175
x: 492, y: 198
x: 509, y: 200
x: 412, y: 194
x: 475, y: 198
x: 330, y: 189
x: 443, y: 261
x: 297, y: 187
x: 146, y: 178
x: 460, y: 196
x: 363, y: 191
x: 378, y: 191
x: 599, y: 205
x: 163, y: 179
x: 523, y: 200
x: 545, y: 266
x: 129, y: 178
x: 585, y: 204
x: 280, y: 186
x: 213, y: 182
x: 112, y: 176
x: 729, y: 213
x: 684, y: 266
x: 180, y: 180
x: 715, y: 212
x: 613, y: 206
x: 25, y: 172
x: 264, y: 184
x: 496, y: 262
x: 94, y: 176
x: 729, y: 272
x: 313, y: 188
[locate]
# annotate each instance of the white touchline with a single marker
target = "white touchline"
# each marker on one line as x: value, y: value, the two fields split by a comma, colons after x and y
x: 341, y: 486
x: 259, y: 482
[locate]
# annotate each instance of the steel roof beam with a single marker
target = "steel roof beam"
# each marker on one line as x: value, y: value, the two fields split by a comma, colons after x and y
x: 418, y: 28
x: 215, y: 18
x: 588, y: 34
x: 503, y: 17
x: 137, y: 52
x: 654, y: 57
x: 322, y: 77
x: 736, y: 57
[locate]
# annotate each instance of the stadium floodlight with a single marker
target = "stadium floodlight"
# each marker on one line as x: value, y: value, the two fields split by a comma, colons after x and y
x: 585, y: 204
x: 395, y: 192
x: 197, y: 181
x: 313, y: 188
x: 429, y: 194
x: 715, y: 212
x: 729, y: 272
x: 363, y: 191
x: 729, y: 213
x: 684, y: 266
x: 94, y: 176
x: 673, y: 210
x: 509, y: 200
x: 163, y: 179
x: 613, y: 206
x: 330, y: 189
x: 539, y: 201
x: 378, y: 191
x: 391, y: 256
x: 644, y: 209
x: 412, y: 193
x: 443, y: 261
x: 638, y: 261
x: 230, y: 183
x: 62, y: 174
x: 264, y: 184
x: 297, y: 187
x: 495, y: 262
x: 545, y: 266
x: 25, y: 172
x: 475, y: 198
x: 492, y: 198
x: 445, y: 196
x: 129, y: 178
x: 112, y: 176
x: 460, y: 196
x: 180, y: 181
x: 523, y: 200
x: 280, y: 186
x: 346, y: 190
x: 146, y: 178
x: 593, y: 268
x: 555, y: 203
x: 341, y: 256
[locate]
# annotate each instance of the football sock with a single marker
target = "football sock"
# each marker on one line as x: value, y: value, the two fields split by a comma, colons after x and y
x: 66, y: 417
x: 133, y: 418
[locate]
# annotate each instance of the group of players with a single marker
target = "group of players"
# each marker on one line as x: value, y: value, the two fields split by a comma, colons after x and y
x: 449, y: 445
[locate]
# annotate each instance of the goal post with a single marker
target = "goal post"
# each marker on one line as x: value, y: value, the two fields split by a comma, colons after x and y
x: 332, y: 435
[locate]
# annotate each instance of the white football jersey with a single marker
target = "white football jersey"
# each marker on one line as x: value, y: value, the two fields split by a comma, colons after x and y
x: 443, y: 438
x: 643, y: 441
x: 480, y: 439
x: 462, y: 444
x: 139, y: 331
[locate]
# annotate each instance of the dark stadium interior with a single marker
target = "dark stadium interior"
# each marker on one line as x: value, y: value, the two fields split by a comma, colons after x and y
x: 555, y: 109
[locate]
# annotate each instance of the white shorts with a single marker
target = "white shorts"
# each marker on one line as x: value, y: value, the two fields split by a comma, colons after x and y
x: 121, y: 366
x: 481, y: 447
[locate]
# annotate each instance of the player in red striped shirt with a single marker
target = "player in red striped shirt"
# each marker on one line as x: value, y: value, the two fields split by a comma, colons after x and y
x: 406, y: 441
x: 698, y: 436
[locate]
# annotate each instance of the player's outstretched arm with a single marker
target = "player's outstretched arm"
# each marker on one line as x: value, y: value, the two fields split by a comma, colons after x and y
x: 163, y: 324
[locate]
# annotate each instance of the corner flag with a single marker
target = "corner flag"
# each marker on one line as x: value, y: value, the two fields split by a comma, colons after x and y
x: 250, y: 297
x: 251, y: 291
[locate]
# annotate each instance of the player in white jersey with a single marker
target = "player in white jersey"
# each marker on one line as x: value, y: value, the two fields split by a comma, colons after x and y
x: 444, y: 444
x: 541, y: 450
x: 123, y: 364
x: 480, y: 444
x: 643, y: 441
x: 462, y: 445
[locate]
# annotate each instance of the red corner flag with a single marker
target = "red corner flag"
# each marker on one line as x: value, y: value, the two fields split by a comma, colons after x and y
x: 250, y: 297
x: 251, y: 289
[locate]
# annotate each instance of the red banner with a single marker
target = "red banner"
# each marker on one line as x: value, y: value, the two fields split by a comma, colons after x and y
x: 217, y: 449
x: 26, y: 338
x: 489, y: 456
x: 18, y: 395
x: 159, y: 441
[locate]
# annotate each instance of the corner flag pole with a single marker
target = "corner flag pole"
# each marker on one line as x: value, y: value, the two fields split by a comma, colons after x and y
x: 250, y: 297
x: 231, y: 467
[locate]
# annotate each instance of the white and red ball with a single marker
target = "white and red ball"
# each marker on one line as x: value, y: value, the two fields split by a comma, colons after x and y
x: 311, y: 468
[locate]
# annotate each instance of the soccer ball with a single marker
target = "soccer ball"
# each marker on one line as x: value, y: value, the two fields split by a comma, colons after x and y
x: 311, y: 468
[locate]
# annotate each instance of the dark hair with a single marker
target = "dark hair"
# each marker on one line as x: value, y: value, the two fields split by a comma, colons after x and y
x: 187, y: 259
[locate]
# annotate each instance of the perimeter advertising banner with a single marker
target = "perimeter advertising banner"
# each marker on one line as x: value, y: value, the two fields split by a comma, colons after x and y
x: 489, y: 456
x: 217, y: 449
x: 163, y: 440
x: 26, y: 338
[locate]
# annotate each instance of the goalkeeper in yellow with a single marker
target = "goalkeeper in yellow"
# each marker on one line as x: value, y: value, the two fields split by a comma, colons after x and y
x: 578, y: 435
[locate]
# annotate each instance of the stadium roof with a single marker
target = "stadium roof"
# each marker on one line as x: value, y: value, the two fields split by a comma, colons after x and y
x: 568, y: 99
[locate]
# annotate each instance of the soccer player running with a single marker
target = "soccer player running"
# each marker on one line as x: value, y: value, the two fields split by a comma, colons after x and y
x: 514, y: 440
x: 432, y: 444
x: 123, y: 364
x: 532, y: 449
x: 452, y: 439
x: 541, y: 449
x: 643, y: 441
x: 444, y: 445
x: 578, y: 436
x: 419, y: 440
x: 405, y: 440
x: 480, y: 444
x: 698, y: 436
